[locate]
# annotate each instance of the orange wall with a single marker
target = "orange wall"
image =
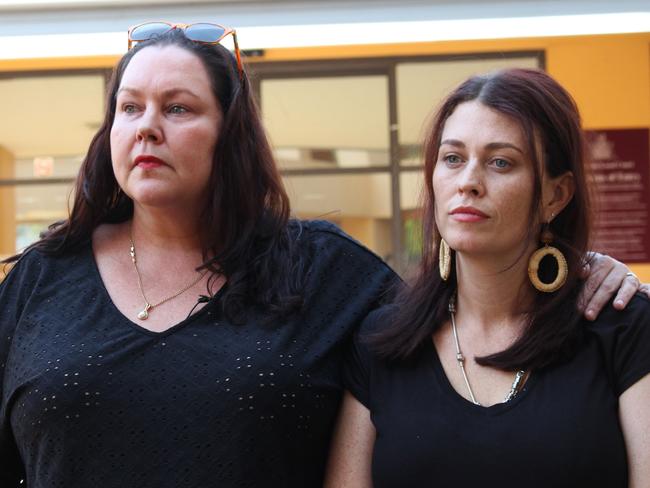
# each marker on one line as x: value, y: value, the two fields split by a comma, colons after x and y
x: 609, y: 76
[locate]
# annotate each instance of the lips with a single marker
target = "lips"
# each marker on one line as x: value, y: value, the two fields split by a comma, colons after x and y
x: 468, y: 214
x: 146, y: 161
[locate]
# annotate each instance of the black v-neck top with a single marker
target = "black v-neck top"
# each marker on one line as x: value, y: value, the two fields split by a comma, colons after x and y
x: 91, y: 399
x: 561, y: 430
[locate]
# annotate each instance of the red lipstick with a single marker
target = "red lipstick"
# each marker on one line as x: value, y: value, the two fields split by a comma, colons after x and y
x: 146, y: 161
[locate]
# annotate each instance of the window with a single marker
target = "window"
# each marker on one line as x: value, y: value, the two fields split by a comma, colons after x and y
x: 47, y: 124
x: 347, y: 135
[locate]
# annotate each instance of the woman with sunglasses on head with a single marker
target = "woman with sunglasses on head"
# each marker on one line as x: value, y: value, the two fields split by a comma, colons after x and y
x: 178, y: 330
x: 484, y: 372
x: 114, y: 373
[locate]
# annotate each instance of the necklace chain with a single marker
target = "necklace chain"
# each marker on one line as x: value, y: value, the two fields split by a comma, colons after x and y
x: 460, y: 359
x: 144, y: 313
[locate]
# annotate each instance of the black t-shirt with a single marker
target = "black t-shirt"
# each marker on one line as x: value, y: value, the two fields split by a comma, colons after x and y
x: 91, y: 399
x: 562, y: 430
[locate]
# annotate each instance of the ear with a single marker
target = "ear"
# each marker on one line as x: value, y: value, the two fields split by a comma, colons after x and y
x: 556, y: 194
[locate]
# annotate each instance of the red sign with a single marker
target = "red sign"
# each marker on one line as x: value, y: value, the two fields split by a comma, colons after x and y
x: 619, y: 173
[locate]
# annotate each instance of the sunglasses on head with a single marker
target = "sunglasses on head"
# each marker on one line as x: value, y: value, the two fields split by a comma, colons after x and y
x: 201, y: 32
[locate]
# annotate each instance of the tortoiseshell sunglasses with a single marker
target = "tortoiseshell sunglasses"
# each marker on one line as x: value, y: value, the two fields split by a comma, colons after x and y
x: 201, y: 32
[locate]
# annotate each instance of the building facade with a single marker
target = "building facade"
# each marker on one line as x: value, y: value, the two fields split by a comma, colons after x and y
x: 345, y: 88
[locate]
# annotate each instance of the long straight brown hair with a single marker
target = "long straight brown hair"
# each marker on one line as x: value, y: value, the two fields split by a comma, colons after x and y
x: 549, y: 118
x: 244, y: 222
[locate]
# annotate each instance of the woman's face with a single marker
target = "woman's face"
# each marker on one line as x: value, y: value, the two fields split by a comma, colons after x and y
x: 483, y: 183
x: 165, y: 130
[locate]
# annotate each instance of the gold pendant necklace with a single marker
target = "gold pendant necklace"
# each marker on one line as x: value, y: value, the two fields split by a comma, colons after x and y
x: 144, y: 313
x: 515, y: 388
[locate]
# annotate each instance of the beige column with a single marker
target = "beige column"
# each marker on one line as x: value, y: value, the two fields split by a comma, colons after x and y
x: 7, y: 205
x: 374, y: 233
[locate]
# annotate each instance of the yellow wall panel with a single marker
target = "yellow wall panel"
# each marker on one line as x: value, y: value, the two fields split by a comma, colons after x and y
x: 609, y: 78
x: 642, y: 271
x: 7, y: 206
x: 68, y: 63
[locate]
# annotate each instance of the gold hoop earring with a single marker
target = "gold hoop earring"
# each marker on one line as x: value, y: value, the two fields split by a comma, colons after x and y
x: 444, y: 260
x: 536, y: 258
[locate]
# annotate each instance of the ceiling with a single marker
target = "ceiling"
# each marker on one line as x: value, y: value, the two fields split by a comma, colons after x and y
x: 79, y: 16
x: 48, y: 28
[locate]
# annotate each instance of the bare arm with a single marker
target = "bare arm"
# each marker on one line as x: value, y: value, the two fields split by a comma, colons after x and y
x: 634, y: 412
x: 604, y: 277
x: 351, y: 449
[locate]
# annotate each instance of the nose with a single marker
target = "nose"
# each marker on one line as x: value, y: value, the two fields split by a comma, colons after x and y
x: 148, y: 129
x: 470, y: 180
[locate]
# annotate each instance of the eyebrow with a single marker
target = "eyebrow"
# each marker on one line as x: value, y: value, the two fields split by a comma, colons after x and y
x: 167, y: 93
x: 492, y: 145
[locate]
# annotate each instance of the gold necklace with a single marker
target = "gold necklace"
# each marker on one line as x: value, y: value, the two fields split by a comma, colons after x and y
x: 460, y: 359
x: 144, y: 313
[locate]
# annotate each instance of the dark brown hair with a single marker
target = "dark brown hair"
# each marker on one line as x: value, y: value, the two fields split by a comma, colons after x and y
x: 549, y: 119
x: 245, y: 219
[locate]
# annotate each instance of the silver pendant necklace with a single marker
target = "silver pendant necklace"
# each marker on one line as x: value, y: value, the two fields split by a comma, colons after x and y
x: 460, y: 359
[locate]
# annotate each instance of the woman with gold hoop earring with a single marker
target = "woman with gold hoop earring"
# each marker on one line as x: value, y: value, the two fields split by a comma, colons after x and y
x: 547, y: 251
x: 180, y: 329
x: 484, y: 372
